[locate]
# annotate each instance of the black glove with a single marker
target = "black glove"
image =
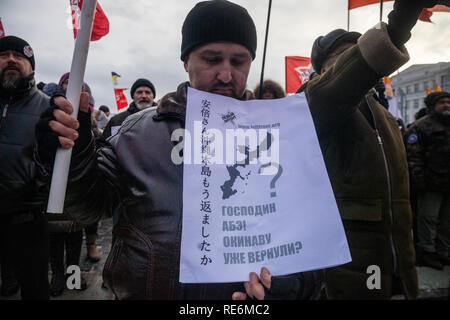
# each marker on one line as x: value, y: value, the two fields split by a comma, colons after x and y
x: 47, y: 139
x: 404, y: 16
x: 282, y: 288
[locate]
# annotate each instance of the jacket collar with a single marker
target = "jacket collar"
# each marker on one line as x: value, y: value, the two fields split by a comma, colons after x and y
x: 175, y: 102
x: 26, y: 88
x: 132, y: 108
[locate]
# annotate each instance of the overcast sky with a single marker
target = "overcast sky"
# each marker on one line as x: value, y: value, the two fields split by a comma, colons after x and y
x: 145, y: 38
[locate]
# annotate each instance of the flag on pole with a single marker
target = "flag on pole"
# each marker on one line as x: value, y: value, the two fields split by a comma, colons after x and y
x: 101, y: 23
x: 115, y: 76
x: 2, y: 30
x: 61, y: 167
x: 298, y: 70
x: 353, y: 4
x: 121, y: 100
x: 426, y: 14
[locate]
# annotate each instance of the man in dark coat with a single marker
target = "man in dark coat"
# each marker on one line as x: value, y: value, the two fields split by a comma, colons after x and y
x: 23, y: 226
x: 364, y: 154
x: 428, y: 147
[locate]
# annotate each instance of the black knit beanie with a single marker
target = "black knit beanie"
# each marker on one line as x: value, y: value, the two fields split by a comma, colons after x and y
x: 431, y: 99
x: 217, y: 20
x: 18, y: 45
x: 142, y: 83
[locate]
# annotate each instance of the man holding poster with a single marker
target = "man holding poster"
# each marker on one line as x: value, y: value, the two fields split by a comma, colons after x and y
x: 144, y: 179
x: 149, y: 181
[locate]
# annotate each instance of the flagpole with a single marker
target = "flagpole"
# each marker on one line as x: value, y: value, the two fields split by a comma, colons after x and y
x: 348, y: 19
x: 381, y: 10
x: 264, y: 53
x: 62, y: 160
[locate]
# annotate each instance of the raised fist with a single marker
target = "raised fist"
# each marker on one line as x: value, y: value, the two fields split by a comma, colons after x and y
x: 424, y: 3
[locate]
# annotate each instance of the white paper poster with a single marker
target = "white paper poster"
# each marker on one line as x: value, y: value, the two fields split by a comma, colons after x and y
x: 255, y: 191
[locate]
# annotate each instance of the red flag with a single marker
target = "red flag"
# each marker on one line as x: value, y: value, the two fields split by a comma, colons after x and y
x: 426, y: 14
x: 298, y: 70
x: 2, y: 30
x: 101, y: 23
x: 352, y: 4
x: 121, y: 100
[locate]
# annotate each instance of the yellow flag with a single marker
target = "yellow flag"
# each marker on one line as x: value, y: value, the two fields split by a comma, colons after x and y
x: 115, y: 76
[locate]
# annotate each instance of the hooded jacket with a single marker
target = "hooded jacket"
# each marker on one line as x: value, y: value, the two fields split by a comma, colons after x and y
x: 19, y: 114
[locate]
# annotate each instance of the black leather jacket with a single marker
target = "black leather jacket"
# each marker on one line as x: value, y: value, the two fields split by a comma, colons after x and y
x: 118, y: 119
x: 19, y: 114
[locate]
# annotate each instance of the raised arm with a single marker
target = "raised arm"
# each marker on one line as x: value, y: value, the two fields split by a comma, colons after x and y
x: 335, y: 95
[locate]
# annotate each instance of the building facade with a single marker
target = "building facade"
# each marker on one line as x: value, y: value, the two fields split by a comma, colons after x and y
x: 410, y: 86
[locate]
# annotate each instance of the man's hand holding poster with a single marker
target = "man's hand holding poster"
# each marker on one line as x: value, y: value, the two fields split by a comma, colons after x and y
x: 255, y: 190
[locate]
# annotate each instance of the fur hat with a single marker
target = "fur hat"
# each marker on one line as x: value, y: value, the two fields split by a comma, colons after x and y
x: 270, y: 85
